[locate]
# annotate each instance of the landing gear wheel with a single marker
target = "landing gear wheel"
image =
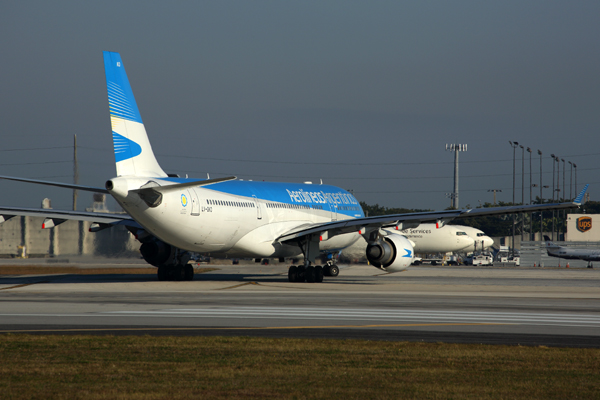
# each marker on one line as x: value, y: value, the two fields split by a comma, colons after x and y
x: 332, y: 270
x: 293, y: 274
x: 178, y: 273
x: 310, y: 274
x: 301, y: 276
x: 162, y: 274
x: 188, y: 272
x: 318, y: 274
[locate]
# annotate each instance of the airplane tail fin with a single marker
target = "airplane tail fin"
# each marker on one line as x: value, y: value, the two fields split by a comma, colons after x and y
x: 133, y: 152
x: 549, y: 243
x: 579, y: 198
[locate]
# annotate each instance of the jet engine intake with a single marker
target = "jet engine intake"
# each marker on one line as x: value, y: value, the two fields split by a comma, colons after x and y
x: 391, y: 253
x: 157, y: 252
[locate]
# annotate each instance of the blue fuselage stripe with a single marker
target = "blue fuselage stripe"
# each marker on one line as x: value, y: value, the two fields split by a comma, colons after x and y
x: 326, y: 196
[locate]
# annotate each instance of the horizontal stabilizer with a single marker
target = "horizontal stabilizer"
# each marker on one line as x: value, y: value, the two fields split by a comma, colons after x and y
x: 59, y: 184
x: 58, y: 215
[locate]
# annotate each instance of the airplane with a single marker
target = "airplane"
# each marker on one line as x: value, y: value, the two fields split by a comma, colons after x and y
x: 570, y: 253
x: 173, y: 217
x: 427, y: 238
x: 481, y: 241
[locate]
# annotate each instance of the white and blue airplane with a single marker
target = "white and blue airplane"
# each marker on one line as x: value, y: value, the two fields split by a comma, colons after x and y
x: 172, y: 216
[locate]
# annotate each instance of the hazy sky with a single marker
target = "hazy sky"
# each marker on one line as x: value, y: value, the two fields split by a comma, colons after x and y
x: 364, y: 95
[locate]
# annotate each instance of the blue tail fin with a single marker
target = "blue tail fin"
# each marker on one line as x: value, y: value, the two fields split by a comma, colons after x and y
x: 133, y: 152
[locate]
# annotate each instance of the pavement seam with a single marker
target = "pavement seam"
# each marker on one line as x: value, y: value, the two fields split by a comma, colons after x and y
x: 23, y: 285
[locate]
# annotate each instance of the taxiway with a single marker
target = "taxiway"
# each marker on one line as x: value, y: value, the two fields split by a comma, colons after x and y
x: 556, y: 307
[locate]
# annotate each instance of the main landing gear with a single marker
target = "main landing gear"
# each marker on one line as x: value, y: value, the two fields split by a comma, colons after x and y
x: 309, y: 246
x: 312, y: 274
x: 309, y: 274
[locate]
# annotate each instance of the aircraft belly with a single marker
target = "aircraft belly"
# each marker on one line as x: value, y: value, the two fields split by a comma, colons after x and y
x: 260, y: 241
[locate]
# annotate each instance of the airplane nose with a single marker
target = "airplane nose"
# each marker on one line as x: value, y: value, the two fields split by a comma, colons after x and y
x: 488, y: 242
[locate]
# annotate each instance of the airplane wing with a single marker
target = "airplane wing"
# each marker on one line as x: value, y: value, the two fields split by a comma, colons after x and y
x: 398, y: 220
x: 56, y: 217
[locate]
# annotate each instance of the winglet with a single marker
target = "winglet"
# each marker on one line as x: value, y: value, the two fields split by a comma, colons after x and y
x: 579, y: 198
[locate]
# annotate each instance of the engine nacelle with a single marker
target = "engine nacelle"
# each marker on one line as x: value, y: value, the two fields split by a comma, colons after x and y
x: 157, y: 252
x: 392, y: 253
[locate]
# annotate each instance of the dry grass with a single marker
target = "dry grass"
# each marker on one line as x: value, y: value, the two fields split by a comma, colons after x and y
x: 43, y: 270
x: 216, y: 367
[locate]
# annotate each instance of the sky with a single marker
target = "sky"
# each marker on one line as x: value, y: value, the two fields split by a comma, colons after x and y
x: 361, y: 95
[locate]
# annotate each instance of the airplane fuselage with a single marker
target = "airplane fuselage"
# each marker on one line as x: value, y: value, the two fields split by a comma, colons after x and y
x: 429, y: 239
x: 574, y: 254
x: 239, y: 218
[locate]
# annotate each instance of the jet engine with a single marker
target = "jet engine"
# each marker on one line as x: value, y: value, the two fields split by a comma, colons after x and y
x: 391, y: 253
x: 157, y: 252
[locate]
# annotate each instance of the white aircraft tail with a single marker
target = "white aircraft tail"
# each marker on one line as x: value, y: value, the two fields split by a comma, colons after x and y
x: 133, y: 152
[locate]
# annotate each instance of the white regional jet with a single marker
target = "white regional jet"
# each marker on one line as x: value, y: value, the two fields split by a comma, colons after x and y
x: 428, y: 238
x: 481, y: 241
x: 173, y: 216
x: 555, y: 250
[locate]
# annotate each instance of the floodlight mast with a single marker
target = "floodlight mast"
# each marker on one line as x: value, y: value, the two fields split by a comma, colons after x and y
x: 514, y: 145
x: 541, y: 198
x: 455, y: 148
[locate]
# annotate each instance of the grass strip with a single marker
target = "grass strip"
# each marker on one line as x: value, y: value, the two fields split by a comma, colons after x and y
x: 134, y: 367
x: 43, y: 270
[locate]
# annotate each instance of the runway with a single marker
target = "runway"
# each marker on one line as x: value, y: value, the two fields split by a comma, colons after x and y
x: 553, y: 307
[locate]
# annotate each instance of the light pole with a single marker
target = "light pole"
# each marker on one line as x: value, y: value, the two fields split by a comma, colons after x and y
x: 530, y: 195
x: 541, y: 199
x: 571, y: 182
x: 522, y: 190
x: 456, y: 148
x: 557, y: 192
x: 564, y: 193
x: 514, y: 146
x: 553, y: 176
x: 575, y: 166
x: 495, y: 191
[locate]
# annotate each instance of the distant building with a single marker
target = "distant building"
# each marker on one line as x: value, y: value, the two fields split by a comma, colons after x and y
x: 583, y: 228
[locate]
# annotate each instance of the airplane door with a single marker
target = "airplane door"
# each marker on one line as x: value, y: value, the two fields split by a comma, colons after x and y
x: 258, y: 211
x: 195, y: 202
x: 333, y: 209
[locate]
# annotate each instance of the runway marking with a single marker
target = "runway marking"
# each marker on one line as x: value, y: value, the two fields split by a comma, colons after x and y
x: 238, y: 315
x: 242, y: 328
x: 23, y: 285
x: 291, y: 313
